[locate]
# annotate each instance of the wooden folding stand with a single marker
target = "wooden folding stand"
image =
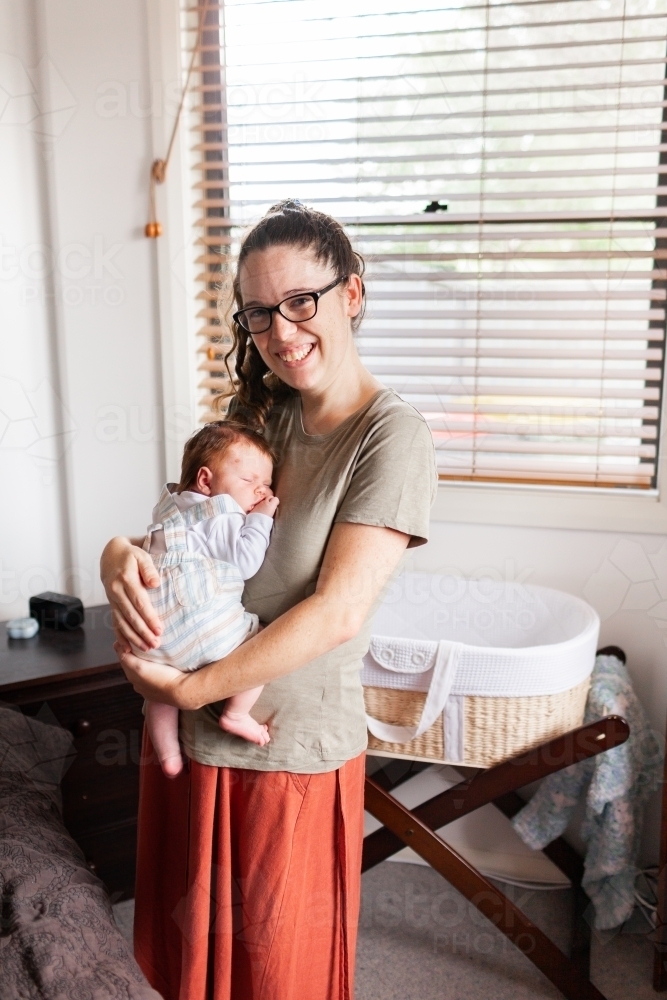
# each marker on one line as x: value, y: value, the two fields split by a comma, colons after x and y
x: 498, y: 784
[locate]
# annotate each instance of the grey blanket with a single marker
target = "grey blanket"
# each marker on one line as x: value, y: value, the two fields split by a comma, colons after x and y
x: 616, y: 785
x: 58, y: 939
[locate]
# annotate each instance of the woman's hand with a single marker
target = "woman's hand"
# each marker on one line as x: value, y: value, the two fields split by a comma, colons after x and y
x: 154, y: 681
x: 358, y: 562
x: 126, y: 571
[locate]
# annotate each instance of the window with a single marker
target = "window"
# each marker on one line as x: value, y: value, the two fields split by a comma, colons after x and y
x: 500, y: 166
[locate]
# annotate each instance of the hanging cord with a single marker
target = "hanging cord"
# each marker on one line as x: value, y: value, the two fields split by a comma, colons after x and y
x: 646, y: 895
x: 159, y: 167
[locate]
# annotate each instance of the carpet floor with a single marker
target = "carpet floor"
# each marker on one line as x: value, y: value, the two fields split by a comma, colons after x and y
x: 420, y: 940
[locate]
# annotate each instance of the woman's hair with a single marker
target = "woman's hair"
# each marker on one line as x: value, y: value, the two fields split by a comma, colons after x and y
x: 212, y: 441
x: 289, y: 223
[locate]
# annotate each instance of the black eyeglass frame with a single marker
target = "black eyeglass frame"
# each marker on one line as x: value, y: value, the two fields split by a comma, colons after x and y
x: 316, y: 296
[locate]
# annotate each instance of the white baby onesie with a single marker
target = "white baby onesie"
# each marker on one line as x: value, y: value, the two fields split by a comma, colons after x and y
x: 236, y: 537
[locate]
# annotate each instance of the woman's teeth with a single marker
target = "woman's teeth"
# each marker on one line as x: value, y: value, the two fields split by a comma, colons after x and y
x: 298, y: 355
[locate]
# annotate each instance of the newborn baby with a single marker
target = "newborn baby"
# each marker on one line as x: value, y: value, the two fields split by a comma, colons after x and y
x: 209, y: 534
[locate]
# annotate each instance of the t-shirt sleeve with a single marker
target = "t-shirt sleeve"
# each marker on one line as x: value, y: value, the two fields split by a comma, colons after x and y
x: 394, y: 480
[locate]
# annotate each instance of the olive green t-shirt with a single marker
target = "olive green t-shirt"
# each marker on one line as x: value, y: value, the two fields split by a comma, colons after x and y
x: 377, y: 468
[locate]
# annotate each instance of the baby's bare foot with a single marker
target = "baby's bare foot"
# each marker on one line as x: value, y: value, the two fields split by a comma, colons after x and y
x: 245, y: 727
x: 172, y: 766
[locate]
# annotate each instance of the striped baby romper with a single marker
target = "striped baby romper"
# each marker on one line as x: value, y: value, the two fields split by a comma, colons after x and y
x: 199, y: 598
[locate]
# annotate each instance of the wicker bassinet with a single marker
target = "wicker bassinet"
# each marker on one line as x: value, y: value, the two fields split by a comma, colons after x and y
x: 473, y: 672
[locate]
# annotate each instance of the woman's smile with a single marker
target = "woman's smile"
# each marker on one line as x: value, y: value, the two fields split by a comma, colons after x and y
x: 296, y: 355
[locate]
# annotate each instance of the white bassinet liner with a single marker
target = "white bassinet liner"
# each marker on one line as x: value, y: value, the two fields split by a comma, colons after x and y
x: 447, y: 636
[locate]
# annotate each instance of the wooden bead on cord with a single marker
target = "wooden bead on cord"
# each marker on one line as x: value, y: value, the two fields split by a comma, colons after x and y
x: 153, y: 228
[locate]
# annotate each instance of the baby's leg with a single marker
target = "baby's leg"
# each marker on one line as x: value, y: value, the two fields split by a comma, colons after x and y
x: 236, y: 718
x: 162, y: 722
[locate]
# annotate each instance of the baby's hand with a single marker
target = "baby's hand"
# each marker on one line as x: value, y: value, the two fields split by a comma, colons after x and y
x: 268, y: 506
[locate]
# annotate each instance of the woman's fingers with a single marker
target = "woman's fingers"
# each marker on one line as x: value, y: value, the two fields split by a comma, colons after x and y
x: 121, y: 645
x: 147, y: 571
x: 131, y: 665
x: 145, y: 618
x: 128, y: 619
x: 127, y: 634
x: 147, y: 576
x: 126, y: 572
x: 155, y: 681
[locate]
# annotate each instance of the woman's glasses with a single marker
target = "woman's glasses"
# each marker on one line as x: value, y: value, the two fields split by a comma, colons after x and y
x: 295, y: 308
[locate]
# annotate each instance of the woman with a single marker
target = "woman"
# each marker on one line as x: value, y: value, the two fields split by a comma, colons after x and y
x: 248, y: 878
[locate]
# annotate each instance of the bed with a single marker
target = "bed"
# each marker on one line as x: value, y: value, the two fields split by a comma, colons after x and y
x: 58, y: 938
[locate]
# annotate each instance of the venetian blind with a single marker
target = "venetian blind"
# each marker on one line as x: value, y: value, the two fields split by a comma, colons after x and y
x: 501, y: 167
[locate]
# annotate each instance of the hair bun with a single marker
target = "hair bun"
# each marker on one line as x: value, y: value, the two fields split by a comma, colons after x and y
x: 287, y: 205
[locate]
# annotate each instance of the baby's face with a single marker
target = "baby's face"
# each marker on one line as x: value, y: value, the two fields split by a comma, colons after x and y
x: 243, y: 472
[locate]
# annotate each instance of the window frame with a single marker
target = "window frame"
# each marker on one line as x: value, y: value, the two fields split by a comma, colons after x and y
x: 571, y: 507
x: 174, y: 265
x: 521, y: 505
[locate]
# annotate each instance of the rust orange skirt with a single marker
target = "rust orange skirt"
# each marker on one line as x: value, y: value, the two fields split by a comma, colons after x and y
x: 248, y: 882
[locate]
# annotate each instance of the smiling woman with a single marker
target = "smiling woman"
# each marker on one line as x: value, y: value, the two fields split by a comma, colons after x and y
x: 284, y: 351
x: 277, y: 829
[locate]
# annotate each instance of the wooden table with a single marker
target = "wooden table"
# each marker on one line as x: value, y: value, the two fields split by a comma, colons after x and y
x: 73, y: 679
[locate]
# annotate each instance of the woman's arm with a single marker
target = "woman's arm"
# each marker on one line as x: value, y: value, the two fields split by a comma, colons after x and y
x: 358, y: 562
x: 126, y: 570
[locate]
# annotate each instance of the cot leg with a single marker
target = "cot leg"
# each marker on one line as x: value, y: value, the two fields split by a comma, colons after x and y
x: 569, y: 862
x: 525, y: 935
x: 395, y: 771
x: 580, y: 950
x: 575, y: 746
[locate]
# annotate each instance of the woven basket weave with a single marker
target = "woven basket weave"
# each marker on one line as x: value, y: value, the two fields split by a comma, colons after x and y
x: 495, y: 728
x: 460, y: 674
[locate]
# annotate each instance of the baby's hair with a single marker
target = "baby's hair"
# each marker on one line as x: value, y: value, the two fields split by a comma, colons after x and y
x: 213, y: 440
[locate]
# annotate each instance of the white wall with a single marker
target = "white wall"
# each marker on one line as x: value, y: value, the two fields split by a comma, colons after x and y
x: 81, y: 455
x: 33, y: 536
x: 81, y: 458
